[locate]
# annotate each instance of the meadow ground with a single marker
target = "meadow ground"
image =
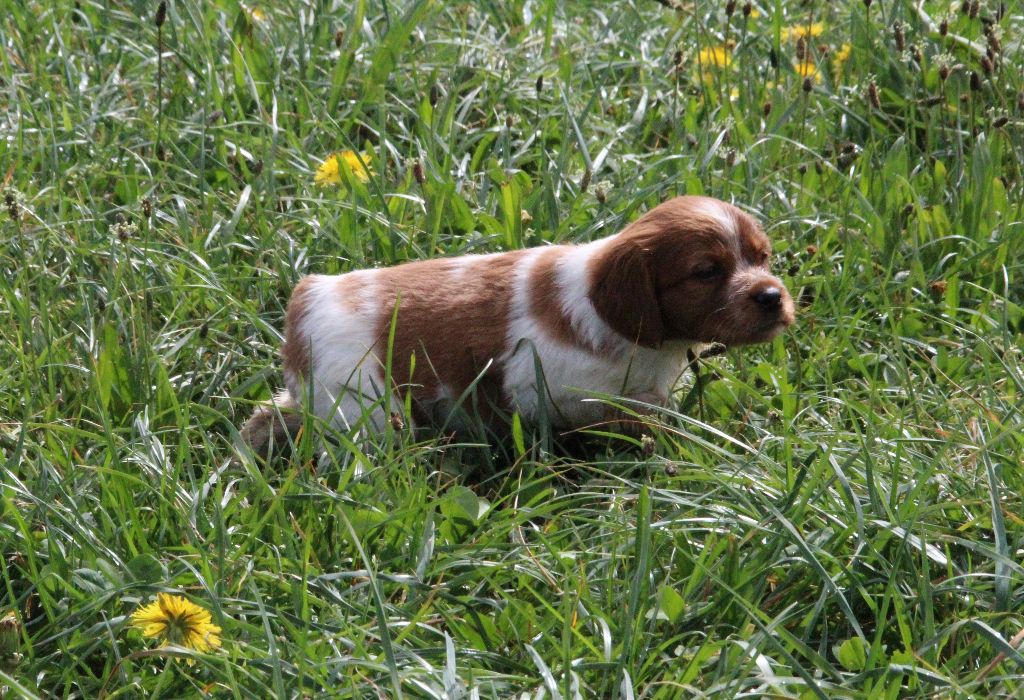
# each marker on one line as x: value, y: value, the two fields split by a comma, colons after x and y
x: 838, y: 514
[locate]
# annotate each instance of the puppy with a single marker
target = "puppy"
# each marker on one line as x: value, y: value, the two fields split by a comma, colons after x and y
x: 534, y: 331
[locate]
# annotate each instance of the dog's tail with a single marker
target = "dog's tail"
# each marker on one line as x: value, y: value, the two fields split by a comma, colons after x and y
x: 273, y: 425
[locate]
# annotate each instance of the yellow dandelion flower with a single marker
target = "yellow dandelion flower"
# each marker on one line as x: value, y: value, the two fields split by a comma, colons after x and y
x: 177, y: 620
x: 842, y: 54
x: 258, y: 15
x: 807, y: 69
x: 329, y: 172
x: 717, y: 56
x: 807, y: 31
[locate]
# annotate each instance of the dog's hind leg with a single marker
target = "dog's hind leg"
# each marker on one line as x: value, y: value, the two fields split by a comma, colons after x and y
x: 273, y: 425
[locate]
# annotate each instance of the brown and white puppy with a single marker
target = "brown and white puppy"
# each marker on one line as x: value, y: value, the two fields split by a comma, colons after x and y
x: 614, y: 316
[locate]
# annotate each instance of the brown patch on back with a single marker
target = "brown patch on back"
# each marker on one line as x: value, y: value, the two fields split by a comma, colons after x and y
x: 546, y: 297
x: 453, y: 315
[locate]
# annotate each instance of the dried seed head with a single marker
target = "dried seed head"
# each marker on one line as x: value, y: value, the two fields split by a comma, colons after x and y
x: 601, y: 190
x: 748, y: 8
x: 540, y: 83
x: 417, y: 172
x: 12, y: 205
x: 257, y: 167
x: 943, y: 72
x: 339, y: 38
x: 767, y: 108
x: 204, y: 330
x: 938, y: 287
x: 915, y: 51
x: 161, y: 14
x: 647, y: 445
x: 585, y: 182
x: 396, y: 420
x: 525, y: 216
x: 873, y: 97
x: 730, y: 8
x: 435, y: 94
x: 975, y: 81
x: 677, y: 58
x: 802, y: 168
x: 730, y: 157
x: 1020, y: 101
x: 986, y: 65
x: 147, y: 207
x: 867, y: 3
x: 965, y: 6
x: 801, y: 48
x: 897, y: 35
x: 819, y: 167
x: 1000, y: 122
x: 808, y: 84
x: 944, y: 27
x: 975, y: 7
x: 773, y: 58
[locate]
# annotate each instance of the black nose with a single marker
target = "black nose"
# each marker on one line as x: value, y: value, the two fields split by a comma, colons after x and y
x: 769, y: 299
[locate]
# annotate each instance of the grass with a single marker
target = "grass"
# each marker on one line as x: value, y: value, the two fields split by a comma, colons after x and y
x: 837, y: 514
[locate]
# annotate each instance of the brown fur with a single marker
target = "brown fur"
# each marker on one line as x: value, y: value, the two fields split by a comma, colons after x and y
x: 648, y: 285
x: 453, y: 350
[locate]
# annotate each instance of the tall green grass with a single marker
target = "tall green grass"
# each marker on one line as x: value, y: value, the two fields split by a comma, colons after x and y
x: 837, y: 514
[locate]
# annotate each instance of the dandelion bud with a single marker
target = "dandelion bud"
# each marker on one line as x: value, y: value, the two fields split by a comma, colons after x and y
x: 585, y: 182
x: 767, y: 108
x: 730, y: 7
x: 897, y: 35
x: 873, y: 97
x: 986, y: 65
x: 1000, y: 122
x: 161, y: 14
x: 808, y: 85
x: 417, y: 172
x: 10, y: 639
x: 975, y: 81
x: 748, y: 8
x: 938, y: 288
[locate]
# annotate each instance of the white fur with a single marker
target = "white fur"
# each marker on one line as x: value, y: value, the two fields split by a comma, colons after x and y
x: 346, y: 374
x: 571, y: 374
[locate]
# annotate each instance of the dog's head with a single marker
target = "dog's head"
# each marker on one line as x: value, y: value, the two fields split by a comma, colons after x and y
x: 692, y: 268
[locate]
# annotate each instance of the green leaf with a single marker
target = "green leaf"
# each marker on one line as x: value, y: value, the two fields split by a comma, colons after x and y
x: 853, y: 654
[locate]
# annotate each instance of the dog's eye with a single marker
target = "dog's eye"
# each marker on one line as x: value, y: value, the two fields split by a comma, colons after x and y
x: 707, y: 271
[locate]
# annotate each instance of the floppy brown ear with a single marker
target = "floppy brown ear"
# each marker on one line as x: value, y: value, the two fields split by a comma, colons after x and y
x: 622, y: 291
